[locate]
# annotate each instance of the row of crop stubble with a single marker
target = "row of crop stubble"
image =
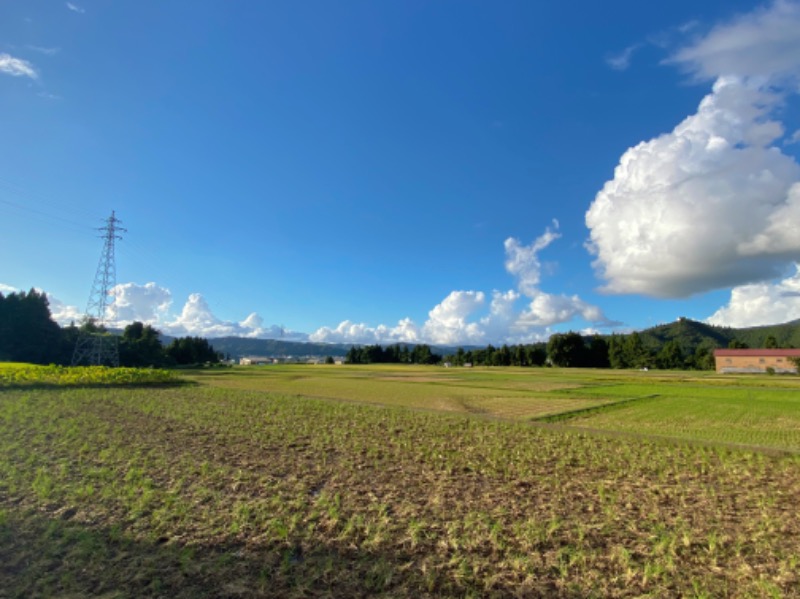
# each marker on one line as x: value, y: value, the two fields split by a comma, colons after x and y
x: 222, y: 492
x: 761, y: 412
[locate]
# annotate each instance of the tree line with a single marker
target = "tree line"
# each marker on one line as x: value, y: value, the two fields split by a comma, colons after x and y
x: 29, y: 334
x: 505, y: 355
x: 392, y: 354
x: 573, y: 350
x: 562, y: 349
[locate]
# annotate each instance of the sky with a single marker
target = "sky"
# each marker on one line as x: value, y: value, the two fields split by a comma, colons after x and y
x: 450, y: 172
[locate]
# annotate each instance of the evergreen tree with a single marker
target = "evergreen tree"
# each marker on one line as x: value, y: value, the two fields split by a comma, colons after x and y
x: 566, y: 349
x: 520, y: 357
x: 191, y: 350
x: 617, y: 356
x: 598, y: 353
x: 636, y: 353
x: 671, y: 356
x: 27, y: 331
x: 459, y: 358
x: 353, y: 356
x: 140, y: 345
x: 535, y: 355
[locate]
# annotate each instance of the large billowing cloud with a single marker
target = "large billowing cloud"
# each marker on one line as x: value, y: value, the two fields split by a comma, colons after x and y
x: 150, y: 304
x: 146, y: 303
x: 462, y: 317
x: 448, y: 322
x: 352, y: 332
x: 196, y: 319
x: 712, y: 203
x: 761, y: 304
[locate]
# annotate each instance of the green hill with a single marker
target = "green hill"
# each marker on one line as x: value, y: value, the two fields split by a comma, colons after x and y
x: 690, y: 335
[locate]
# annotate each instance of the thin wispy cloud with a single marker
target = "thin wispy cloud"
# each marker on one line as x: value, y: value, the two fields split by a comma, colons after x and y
x: 621, y: 61
x: 44, y: 50
x: 75, y: 8
x: 16, y: 67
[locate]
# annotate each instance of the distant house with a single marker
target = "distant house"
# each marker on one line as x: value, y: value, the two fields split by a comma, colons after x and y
x: 755, y: 360
x: 256, y: 361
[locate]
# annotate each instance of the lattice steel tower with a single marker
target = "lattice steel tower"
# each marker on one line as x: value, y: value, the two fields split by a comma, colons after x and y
x: 95, y: 346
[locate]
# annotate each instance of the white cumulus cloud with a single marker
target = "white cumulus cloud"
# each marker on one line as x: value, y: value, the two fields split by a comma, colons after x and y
x: 706, y: 206
x: 64, y: 314
x: 461, y: 318
x: 150, y: 304
x: 197, y: 320
x: 523, y: 261
x: 360, y: 333
x: 448, y: 321
x: 146, y: 303
x: 545, y: 309
x: 16, y: 67
x: 759, y: 304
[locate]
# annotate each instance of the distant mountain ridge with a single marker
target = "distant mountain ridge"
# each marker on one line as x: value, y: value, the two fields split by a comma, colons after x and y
x: 238, y: 347
x: 690, y: 334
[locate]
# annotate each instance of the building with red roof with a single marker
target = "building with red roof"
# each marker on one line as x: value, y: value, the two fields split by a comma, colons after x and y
x: 756, y: 360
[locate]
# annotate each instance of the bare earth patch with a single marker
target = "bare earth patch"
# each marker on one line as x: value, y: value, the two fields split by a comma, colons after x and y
x: 202, y: 492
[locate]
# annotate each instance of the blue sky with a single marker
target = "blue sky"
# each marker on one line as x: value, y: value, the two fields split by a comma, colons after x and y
x: 449, y: 172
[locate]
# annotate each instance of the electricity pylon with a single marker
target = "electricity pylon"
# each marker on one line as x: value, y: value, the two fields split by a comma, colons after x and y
x: 95, y: 346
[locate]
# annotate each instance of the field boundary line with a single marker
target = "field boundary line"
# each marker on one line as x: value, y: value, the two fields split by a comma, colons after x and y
x: 569, y: 415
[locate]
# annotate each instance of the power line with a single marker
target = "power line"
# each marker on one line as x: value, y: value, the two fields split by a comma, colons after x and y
x: 42, y: 216
x: 40, y: 200
x: 38, y: 208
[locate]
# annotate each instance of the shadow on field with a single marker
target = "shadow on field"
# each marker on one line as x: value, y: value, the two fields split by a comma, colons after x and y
x: 43, y: 556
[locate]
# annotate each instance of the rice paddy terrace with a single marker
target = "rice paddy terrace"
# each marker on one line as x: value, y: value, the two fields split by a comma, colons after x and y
x: 331, y: 481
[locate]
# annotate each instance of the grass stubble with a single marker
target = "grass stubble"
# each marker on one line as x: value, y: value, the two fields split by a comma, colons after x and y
x: 220, y: 492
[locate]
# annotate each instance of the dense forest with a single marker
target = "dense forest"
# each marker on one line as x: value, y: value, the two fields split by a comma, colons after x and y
x: 392, y: 354
x: 682, y: 345
x: 28, y: 334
